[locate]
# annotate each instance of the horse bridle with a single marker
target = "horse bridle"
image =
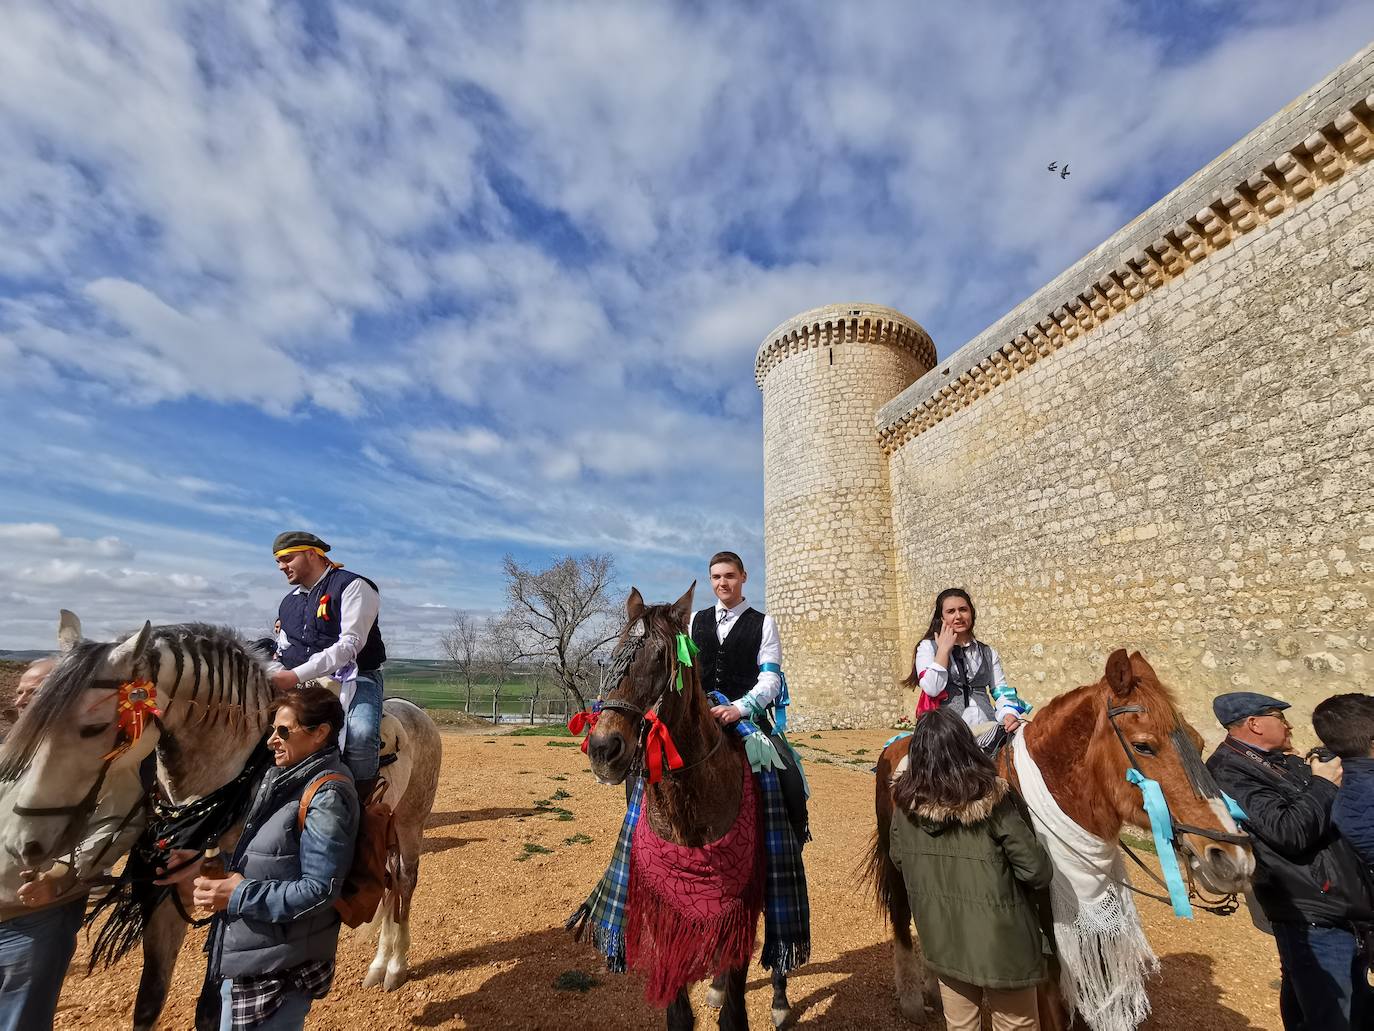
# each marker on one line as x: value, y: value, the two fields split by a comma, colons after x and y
x: 86, y: 806
x: 1205, y: 788
x: 621, y: 660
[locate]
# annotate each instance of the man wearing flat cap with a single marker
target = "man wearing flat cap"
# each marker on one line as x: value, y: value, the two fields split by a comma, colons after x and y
x: 329, y: 629
x: 1309, y: 880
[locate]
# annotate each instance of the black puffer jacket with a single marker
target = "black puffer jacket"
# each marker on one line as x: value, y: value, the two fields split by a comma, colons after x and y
x: 1305, y: 872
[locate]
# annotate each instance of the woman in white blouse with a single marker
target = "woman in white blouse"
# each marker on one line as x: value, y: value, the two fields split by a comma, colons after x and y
x: 952, y: 668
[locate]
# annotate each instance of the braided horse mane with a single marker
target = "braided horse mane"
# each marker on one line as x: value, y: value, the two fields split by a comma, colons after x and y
x: 196, y: 667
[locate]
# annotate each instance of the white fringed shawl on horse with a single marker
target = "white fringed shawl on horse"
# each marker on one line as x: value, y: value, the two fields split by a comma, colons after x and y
x: 201, y: 697
x: 1071, y: 766
x: 702, y: 835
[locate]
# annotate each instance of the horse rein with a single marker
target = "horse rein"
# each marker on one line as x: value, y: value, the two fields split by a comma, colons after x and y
x: 1226, y: 904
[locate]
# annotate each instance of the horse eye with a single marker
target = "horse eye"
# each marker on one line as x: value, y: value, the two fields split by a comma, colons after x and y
x: 94, y: 731
x: 1143, y: 747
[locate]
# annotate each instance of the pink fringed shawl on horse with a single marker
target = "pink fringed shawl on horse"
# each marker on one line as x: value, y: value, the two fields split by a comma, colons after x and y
x: 693, y: 912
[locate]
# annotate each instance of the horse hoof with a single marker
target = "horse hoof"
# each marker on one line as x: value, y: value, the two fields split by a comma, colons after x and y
x: 374, y: 977
x: 715, y: 998
x: 394, y: 980
x: 781, y: 1017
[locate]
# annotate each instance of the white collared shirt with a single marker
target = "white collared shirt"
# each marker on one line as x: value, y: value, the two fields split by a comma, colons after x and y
x: 768, y: 685
x: 934, y: 678
x: 359, y: 605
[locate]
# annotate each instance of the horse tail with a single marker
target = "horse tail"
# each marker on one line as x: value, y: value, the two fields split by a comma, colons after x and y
x: 878, y: 871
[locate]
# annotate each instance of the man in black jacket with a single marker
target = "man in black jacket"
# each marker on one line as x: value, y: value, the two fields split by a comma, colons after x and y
x: 1308, y: 879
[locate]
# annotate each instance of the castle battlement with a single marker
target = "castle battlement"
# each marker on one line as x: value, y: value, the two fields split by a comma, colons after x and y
x: 836, y: 324
x: 1307, y: 147
x: 1166, y: 448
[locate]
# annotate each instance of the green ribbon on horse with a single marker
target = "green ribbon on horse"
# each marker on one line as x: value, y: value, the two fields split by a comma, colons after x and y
x: 686, y: 648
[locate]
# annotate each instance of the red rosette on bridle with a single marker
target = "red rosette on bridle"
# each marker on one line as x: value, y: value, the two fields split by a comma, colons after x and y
x: 583, y: 722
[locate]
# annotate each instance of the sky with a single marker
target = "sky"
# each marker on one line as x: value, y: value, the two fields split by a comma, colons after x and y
x: 447, y: 281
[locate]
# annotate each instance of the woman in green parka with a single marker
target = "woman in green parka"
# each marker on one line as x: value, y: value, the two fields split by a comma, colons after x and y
x: 970, y: 861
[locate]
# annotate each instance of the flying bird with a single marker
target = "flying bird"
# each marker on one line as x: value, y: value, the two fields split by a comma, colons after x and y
x: 1052, y: 166
x: 1065, y: 173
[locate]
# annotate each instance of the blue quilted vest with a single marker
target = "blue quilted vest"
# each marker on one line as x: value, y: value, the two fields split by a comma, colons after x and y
x: 310, y: 630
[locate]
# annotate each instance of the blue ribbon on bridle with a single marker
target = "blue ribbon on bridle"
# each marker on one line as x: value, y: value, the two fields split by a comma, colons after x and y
x: 1162, y: 829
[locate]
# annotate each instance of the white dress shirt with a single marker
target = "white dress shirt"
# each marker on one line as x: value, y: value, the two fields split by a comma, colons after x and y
x: 768, y: 685
x: 358, y: 608
x: 934, y: 678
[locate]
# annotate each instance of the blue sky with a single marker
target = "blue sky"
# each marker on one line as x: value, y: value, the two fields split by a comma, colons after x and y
x: 446, y: 281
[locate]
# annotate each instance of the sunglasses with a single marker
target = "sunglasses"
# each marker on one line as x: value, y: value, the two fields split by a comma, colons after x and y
x: 1277, y: 715
x: 285, y: 732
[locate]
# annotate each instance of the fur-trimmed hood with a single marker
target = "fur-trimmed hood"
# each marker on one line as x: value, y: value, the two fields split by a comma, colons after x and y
x: 968, y: 814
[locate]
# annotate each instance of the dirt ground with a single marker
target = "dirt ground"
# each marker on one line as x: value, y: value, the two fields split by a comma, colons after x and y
x: 488, y: 943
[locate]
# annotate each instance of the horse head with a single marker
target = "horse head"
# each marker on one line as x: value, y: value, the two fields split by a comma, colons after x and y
x: 58, y: 754
x: 640, y: 686
x: 1129, y: 721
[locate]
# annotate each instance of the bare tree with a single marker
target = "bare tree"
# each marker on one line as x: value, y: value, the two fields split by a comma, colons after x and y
x: 461, y: 644
x: 502, y: 648
x: 564, y: 614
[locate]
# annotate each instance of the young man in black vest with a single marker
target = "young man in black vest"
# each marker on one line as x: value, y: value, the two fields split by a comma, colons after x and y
x: 741, y: 657
x: 329, y: 626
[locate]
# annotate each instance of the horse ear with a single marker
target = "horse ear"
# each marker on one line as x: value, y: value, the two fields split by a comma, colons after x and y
x: 634, y: 605
x: 124, y: 656
x: 1120, y: 676
x: 1142, y: 666
x: 682, y: 608
x: 68, y: 630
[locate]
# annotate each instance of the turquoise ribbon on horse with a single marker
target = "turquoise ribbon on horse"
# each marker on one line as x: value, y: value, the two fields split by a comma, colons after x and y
x: 1162, y: 827
x: 784, y: 698
x: 1006, y: 691
x: 686, y: 648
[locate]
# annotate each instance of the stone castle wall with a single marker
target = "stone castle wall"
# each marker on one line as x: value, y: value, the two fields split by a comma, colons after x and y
x: 1171, y: 447
x: 828, y: 511
x: 1168, y: 448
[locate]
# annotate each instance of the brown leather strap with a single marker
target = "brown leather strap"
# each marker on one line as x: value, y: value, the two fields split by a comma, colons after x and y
x: 310, y: 790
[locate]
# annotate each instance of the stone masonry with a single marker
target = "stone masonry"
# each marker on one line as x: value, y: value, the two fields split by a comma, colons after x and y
x: 1168, y: 448
x: 828, y: 512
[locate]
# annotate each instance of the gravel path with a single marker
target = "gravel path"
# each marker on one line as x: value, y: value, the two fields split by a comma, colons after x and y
x: 488, y: 943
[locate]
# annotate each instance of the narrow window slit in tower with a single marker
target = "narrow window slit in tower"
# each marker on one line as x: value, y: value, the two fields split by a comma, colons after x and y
x: 832, y: 355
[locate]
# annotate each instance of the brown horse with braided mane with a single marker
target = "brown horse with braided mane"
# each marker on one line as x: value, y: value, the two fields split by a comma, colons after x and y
x: 700, y: 803
x: 1084, y: 742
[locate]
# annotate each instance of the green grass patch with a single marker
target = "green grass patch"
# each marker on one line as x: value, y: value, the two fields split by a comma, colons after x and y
x: 575, y: 981
x: 541, y: 730
x: 578, y: 839
x: 519, y: 744
x: 1139, y: 842
x: 563, y: 744
x: 560, y: 794
x: 815, y: 737
x: 861, y: 751
x: 558, y: 776
x: 533, y: 849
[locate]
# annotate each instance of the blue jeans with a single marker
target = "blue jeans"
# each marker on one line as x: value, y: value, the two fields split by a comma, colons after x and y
x: 1324, y: 978
x: 364, y: 726
x: 290, y: 1016
x: 35, y: 951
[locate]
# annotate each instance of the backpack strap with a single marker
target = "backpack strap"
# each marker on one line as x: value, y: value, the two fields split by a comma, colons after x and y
x: 309, y: 796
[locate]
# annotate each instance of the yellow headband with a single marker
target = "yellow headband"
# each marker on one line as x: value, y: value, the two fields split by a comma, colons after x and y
x: 298, y: 547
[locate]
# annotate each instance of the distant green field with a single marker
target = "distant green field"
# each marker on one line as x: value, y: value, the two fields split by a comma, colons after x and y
x: 420, y: 685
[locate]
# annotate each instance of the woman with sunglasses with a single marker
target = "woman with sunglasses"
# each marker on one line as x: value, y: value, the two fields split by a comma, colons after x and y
x: 276, y: 930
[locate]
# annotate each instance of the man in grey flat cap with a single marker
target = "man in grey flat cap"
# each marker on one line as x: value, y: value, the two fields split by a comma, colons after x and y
x: 1309, y: 880
x: 329, y: 626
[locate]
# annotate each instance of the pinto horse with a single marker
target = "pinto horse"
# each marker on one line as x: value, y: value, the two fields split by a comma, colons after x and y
x: 207, y: 696
x: 1084, y: 742
x: 694, y: 805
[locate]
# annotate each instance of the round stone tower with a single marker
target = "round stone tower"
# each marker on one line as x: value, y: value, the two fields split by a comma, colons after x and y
x: 828, y: 506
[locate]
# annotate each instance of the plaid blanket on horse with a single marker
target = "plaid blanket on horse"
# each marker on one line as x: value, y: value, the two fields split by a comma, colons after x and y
x: 786, y: 905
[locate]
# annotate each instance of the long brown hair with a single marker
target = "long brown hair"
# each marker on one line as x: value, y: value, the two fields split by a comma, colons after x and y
x: 912, y: 680
x: 945, y: 766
